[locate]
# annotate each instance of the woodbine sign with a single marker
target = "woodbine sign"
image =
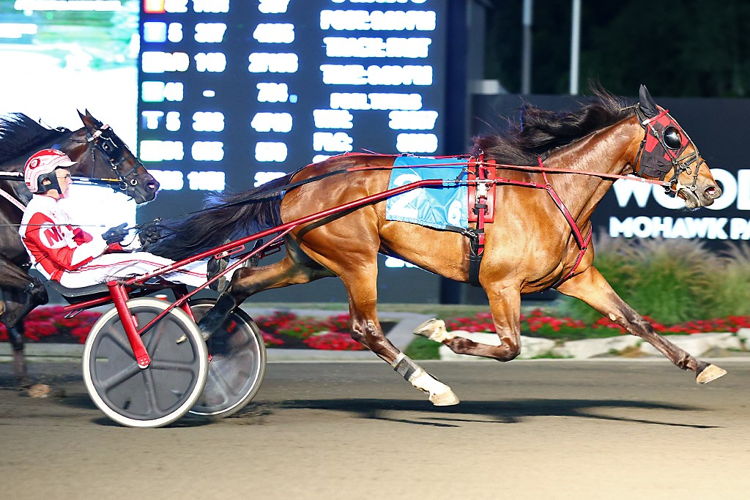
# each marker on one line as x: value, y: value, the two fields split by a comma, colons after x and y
x: 736, y: 198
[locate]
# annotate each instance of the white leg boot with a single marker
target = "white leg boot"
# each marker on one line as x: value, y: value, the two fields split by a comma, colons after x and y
x: 439, y: 393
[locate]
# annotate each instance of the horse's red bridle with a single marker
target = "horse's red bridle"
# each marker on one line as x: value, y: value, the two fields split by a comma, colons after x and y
x: 655, y: 157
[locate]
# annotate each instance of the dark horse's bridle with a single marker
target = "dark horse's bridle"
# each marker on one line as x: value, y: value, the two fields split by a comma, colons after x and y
x: 106, y: 142
x: 661, y: 150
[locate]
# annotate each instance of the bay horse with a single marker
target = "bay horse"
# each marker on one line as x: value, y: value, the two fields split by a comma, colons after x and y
x: 99, y: 153
x: 529, y: 247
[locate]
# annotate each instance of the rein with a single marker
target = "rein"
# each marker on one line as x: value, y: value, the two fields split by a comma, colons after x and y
x: 12, y: 176
x: 12, y: 200
x: 271, y: 193
x: 528, y: 168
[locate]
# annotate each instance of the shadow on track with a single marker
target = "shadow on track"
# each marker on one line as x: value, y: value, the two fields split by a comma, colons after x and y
x: 497, y: 412
x: 422, y: 413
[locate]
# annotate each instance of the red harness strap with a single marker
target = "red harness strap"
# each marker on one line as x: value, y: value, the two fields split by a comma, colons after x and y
x: 481, y: 194
x: 482, y: 181
x: 583, y: 243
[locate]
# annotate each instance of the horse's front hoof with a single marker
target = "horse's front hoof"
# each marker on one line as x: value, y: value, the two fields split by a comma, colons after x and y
x: 445, y: 398
x: 709, y: 374
x: 433, y: 329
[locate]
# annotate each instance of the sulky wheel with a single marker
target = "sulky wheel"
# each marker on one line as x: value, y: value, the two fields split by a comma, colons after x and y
x: 165, y: 390
x: 237, y: 365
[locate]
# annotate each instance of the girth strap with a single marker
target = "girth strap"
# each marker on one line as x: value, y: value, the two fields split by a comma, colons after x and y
x: 476, y: 252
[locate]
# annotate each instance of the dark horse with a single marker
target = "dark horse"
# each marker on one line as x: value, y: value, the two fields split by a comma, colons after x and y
x: 100, y: 154
x: 529, y: 248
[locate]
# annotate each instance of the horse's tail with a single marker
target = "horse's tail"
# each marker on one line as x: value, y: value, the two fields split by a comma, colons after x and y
x: 225, y: 217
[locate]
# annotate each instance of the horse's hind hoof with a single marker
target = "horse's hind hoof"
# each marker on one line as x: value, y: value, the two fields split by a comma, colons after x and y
x: 709, y: 374
x: 433, y: 329
x: 445, y: 398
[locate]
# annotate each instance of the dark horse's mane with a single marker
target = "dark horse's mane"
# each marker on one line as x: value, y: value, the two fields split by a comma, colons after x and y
x: 227, y: 217
x: 542, y: 130
x: 19, y: 134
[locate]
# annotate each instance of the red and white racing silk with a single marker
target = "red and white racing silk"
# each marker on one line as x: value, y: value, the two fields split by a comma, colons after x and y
x: 75, y: 258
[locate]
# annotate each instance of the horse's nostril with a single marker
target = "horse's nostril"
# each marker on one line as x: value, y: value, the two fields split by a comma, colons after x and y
x: 712, y: 192
x: 151, y: 186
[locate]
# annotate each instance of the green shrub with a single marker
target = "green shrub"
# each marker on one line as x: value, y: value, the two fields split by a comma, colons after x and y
x: 728, y: 293
x: 672, y: 280
x: 668, y: 278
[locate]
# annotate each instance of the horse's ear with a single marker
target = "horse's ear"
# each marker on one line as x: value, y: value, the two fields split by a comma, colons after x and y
x: 88, y: 120
x: 93, y: 120
x: 646, y: 102
x: 85, y: 118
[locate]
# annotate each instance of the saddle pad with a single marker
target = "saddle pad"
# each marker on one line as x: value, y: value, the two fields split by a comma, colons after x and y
x: 437, y: 207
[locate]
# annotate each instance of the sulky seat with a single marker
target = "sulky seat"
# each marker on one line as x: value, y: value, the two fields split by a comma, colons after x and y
x: 82, y: 294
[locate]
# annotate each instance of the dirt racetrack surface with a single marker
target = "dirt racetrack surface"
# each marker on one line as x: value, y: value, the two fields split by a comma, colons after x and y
x: 526, y: 429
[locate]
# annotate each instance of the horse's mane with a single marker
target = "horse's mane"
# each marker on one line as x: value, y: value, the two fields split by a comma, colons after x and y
x: 20, y: 134
x: 225, y: 217
x: 542, y: 130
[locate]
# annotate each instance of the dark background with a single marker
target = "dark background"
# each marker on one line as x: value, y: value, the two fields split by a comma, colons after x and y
x: 690, y: 48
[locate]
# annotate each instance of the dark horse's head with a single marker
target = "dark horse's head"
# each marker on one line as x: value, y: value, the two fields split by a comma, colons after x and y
x: 102, y: 154
x: 667, y: 153
x: 98, y: 151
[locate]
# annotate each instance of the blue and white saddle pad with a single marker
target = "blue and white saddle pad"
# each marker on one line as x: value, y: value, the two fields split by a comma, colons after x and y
x: 438, y: 206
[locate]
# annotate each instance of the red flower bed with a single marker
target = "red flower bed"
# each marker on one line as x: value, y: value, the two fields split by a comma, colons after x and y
x: 281, y: 329
x: 287, y: 330
x: 49, y: 324
x: 540, y: 324
x: 333, y: 341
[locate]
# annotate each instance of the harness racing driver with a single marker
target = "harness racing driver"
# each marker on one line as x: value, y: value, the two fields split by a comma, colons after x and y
x: 69, y: 255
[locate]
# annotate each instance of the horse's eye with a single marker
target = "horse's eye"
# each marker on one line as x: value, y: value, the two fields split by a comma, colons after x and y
x: 672, y: 138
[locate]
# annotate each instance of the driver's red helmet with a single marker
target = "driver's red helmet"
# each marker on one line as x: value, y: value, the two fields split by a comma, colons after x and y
x: 41, y: 164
